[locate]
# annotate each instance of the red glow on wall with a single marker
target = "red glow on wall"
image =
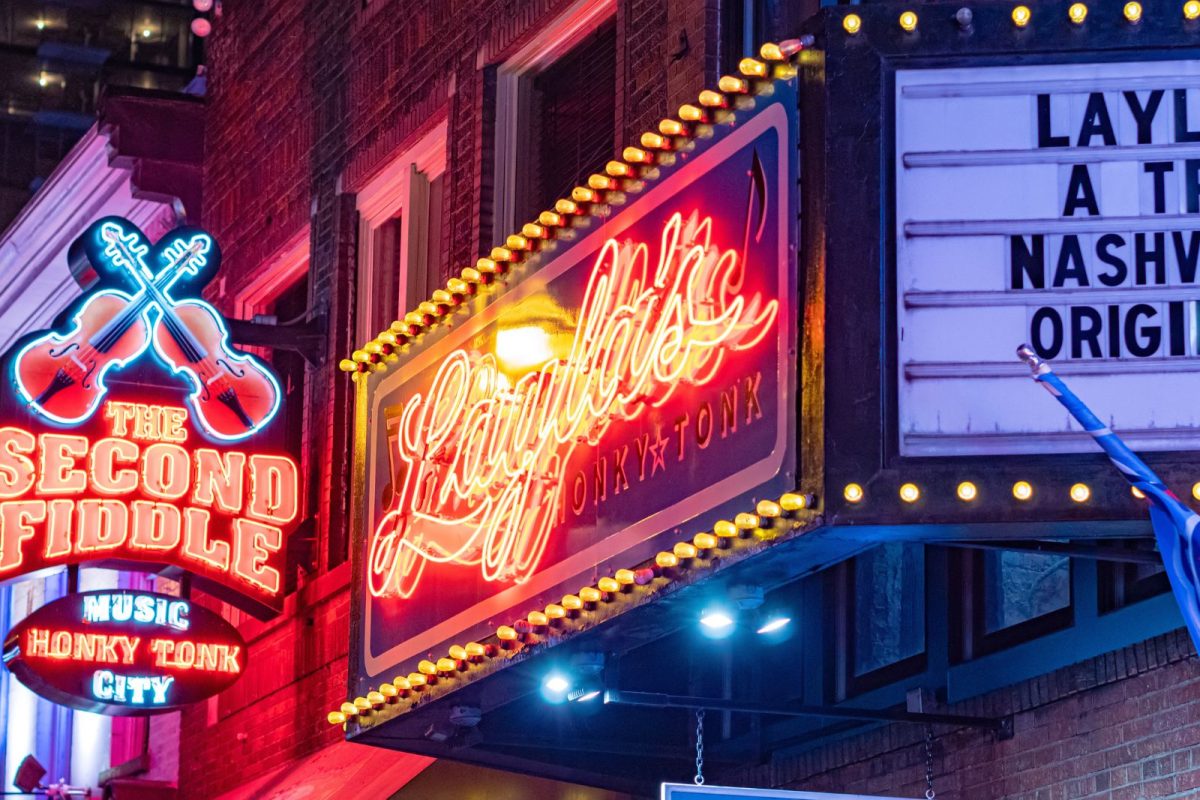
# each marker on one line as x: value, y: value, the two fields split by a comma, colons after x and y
x: 483, y: 451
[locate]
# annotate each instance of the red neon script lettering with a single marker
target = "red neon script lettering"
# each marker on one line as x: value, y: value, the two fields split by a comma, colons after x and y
x: 485, y: 456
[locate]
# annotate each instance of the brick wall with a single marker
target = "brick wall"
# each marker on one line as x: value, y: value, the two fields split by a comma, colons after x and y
x: 1122, y: 726
x: 307, y: 100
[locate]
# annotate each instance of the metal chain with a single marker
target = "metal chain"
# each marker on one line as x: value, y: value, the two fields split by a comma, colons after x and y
x: 929, y: 792
x: 699, y: 779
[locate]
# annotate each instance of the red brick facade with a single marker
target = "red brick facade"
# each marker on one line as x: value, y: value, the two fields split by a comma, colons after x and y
x: 307, y: 101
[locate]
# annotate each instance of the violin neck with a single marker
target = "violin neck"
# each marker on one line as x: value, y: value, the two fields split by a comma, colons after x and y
x: 105, y: 338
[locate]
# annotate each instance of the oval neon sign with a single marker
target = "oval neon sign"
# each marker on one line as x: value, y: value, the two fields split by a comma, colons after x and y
x: 125, y: 653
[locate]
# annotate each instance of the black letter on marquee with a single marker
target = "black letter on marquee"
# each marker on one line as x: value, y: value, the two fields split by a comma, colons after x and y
x: 1070, y: 263
x: 1027, y: 260
x: 1175, y: 314
x: 1182, y: 134
x: 1045, y: 137
x: 1186, y: 257
x: 1191, y: 182
x: 1114, y: 331
x: 1056, y: 332
x: 1119, y: 270
x: 1081, y: 333
x: 1144, y: 115
x: 1159, y: 170
x: 1080, y: 192
x: 1144, y: 257
x: 1153, y: 335
x: 1096, y: 121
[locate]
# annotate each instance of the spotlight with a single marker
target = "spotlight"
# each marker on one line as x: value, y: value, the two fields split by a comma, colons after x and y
x: 716, y: 620
x: 555, y: 687
x: 773, y: 624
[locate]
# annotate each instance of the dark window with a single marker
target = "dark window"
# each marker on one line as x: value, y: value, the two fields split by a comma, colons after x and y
x: 1009, y: 597
x: 884, y: 611
x: 1122, y: 584
x: 572, y: 124
x: 744, y: 26
x: 290, y: 368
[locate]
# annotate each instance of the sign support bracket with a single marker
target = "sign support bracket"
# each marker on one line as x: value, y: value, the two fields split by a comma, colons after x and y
x: 1002, y: 727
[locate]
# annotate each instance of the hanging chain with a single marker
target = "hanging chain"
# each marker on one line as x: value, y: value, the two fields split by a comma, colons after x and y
x: 929, y: 792
x: 699, y: 779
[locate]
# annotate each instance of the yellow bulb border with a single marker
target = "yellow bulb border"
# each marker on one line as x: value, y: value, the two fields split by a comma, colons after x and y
x: 635, y: 171
x: 607, y: 598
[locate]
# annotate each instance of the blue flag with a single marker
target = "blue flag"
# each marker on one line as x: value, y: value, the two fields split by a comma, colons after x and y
x: 1174, y: 523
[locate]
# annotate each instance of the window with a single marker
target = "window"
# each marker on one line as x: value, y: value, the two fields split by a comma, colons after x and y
x: 555, y: 113
x: 884, y: 612
x: 1011, y: 596
x: 744, y: 26
x: 400, y: 234
x: 1124, y: 583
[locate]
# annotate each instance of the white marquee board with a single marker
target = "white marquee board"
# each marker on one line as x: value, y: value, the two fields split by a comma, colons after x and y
x: 1059, y: 205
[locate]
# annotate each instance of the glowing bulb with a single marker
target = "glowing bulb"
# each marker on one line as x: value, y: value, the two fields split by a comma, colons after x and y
x: 625, y: 577
x: 1021, y: 16
x: 666, y: 560
x: 1077, y: 12
x: 557, y: 684
x: 704, y: 541
x: 684, y: 550
x: 506, y: 633
x: 909, y: 493
x: 147, y: 33
x: 1140, y: 495
x: 336, y: 718
x: 43, y: 80
x: 1133, y: 12
x: 793, y: 502
x: 1022, y: 490
x: 1080, y: 492
x: 40, y: 24
x: 774, y: 624
x: 716, y: 620
x: 853, y: 493
x: 852, y: 23
x: 608, y: 585
x: 725, y: 529
x: 1191, y: 10
x: 1196, y: 490
x: 523, y: 348
x: 967, y: 491
x: 375, y: 698
x: 908, y: 21
x: 572, y: 602
x: 590, y: 594
x: 768, y: 508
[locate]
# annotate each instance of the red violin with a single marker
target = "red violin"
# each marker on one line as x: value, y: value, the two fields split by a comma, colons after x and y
x: 62, y: 375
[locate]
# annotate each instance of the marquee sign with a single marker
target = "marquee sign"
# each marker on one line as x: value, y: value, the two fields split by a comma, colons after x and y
x: 136, y: 433
x: 1055, y: 205
x: 124, y: 653
x: 641, y: 376
x: 689, y: 791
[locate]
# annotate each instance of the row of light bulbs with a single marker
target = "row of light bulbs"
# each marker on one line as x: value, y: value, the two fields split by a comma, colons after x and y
x: 968, y: 492
x: 1022, y: 16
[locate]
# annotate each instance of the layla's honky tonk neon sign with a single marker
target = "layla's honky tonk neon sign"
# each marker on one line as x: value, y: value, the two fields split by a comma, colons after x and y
x: 484, y: 456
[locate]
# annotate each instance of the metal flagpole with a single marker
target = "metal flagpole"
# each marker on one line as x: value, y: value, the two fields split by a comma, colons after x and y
x: 1174, y: 523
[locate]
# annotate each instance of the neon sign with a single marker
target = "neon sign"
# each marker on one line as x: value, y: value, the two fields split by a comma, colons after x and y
x: 61, y: 373
x: 639, y: 375
x: 483, y: 458
x: 138, y: 435
x: 122, y: 652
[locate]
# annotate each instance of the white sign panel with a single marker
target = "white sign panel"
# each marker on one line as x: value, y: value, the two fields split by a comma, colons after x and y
x: 687, y: 791
x: 1057, y: 205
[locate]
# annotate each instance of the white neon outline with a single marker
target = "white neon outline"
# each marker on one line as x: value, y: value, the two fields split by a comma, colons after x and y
x: 176, y: 248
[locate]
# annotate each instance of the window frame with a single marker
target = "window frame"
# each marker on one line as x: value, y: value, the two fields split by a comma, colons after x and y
x: 394, y: 191
x: 846, y: 683
x: 971, y: 640
x: 514, y: 80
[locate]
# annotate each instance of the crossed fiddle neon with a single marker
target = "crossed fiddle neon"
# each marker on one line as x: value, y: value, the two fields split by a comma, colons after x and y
x: 61, y: 372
